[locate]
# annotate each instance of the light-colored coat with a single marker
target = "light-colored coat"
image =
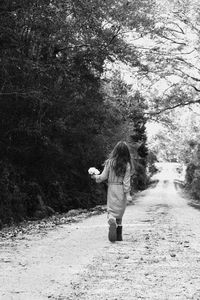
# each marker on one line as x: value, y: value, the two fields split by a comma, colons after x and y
x: 118, y: 187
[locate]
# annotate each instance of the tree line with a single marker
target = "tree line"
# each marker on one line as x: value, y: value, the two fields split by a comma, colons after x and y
x: 58, y: 114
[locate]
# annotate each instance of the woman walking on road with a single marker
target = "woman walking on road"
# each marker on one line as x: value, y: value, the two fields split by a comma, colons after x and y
x: 117, y: 169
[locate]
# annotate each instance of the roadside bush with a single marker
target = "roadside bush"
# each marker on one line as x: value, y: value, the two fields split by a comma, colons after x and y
x: 12, y: 198
x: 190, y: 170
x: 151, y: 160
x: 139, y: 179
x: 193, y: 180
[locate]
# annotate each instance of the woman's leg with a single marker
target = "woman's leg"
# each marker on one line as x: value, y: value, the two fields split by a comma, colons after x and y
x: 119, y: 229
x: 112, y: 233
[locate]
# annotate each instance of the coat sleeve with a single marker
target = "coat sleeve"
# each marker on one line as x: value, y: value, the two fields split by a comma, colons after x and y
x: 104, y: 175
x: 127, y: 179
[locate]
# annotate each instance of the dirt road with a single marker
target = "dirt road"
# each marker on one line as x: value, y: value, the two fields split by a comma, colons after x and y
x: 159, y: 257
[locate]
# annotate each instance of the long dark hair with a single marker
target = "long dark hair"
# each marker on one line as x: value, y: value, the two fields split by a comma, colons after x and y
x: 119, y: 157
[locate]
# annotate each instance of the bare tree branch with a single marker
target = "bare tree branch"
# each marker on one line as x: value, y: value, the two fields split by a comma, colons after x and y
x: 170, y: 87
x: 172, y: 107
x: 196, y: 89
x: 188, y: 63
x: 189, y: 76
x: 181, y: 30
x: 175, y: 42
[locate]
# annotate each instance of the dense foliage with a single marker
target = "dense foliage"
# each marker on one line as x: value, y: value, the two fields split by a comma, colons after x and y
x: 56, y: 117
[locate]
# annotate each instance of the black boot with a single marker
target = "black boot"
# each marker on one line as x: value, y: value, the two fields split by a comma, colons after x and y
x: 119, y: 233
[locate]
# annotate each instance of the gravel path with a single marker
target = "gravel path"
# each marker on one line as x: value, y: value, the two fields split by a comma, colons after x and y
x: 159, y: 257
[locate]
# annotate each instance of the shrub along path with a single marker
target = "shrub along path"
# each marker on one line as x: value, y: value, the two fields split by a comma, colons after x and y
x: 159, y: 257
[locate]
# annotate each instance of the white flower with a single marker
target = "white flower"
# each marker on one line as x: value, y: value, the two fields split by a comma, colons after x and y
x: 93, y: 171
